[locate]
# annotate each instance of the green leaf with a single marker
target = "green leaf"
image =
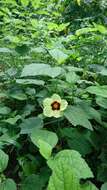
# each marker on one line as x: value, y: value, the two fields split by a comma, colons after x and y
x: 56, y: 27
x: 91, y: 113
x: 8, y: 184
x: 32, y: 182
x: 88, y: 186
x: 63, y: 178
x: 12, y: 120
x: 73, y: 160
x: 23, y: 49
x: 30, y: 81
x: 66, y: 180
x: 77, y: 140
x: 45, y: 149
x: 58, y: 55
x: 82, y: 31
x: 79, y: 2
x: 34, y: 23
x: 3, y: 95
x: 3, y: 160
x: 102, y: 102
x: 102, y: 171
x: 27, y: 110
x: 4, y: 110
x: 30, y: 124
x: 8, y: 138
x: 103, y: 72
x: 62, y: 26
x: 98, y: 90
x: 77, y: 116
x: 11, y: 1
x: 101, y: 28
x: 36, y: 3
x: 67, y: 169
x: 104, y: 186
x: 18, y: 95
x: 45, y: 141
x: 52, y: 26
x: 41, y: 69
x: 5, y: 50
x: 11, y: 72
x: 25, y: 2
x: 72, y: 77
x: 74, y: 69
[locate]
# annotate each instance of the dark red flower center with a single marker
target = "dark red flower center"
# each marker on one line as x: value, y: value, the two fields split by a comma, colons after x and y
x: 55, y: 105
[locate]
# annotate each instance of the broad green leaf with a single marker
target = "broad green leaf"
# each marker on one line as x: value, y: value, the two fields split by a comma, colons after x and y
x: 72, y: 77
x: 22, y: 50
x: 3, y: 160
x: 25, y: 2
x: 3, y: 95
x: 41, y: 69
x: 56, y: 27
x: 97, y: 27
x: 62, y: 26
x: 102, y: 102
x: 32, y: 182
x: 79, y: 2
x: 47, y: 136
x: 30, y: 81
x: 28, y: 166
x: 52, y: 26
x: 58, y: 55
x: 27, y: 110
x: 18, y: 95
x: 63, y: 178
x: 28, y: 125
x: 67, y: 169
x: 8, y: 138
x: 38, y: 49
x: 8, y: 184
x: 11, y: 1
x: 77, y: 116
x: 91, y: 113
x: 82, y: 31
x: 74, y: 69
x: 104, y: 186
x: 101, y: 28
x: 4, y: 110
x: 102, y: 168
x: 45, y: 149
x: 77, y: 140
x: 73, y: 160
x: 5, y: 50
x: 12, y: 120
x: 34, y: 23
x: 36, y: 3
x: 30, y: 91
x: 98, y: 90
x: 45, y: 141
x: 88, y: 186
x: 11, y: 72
x: 103, y: 72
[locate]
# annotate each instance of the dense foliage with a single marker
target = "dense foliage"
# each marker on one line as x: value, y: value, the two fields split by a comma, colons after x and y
x: 53, y: 95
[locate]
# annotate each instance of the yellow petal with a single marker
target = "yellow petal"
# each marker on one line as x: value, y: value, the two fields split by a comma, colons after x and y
x: 79, y: 2
x: 57, y: 113
x: 56, y: 97
x: 48, y: 112
x: 64, y: 105
x: 47, y: 102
